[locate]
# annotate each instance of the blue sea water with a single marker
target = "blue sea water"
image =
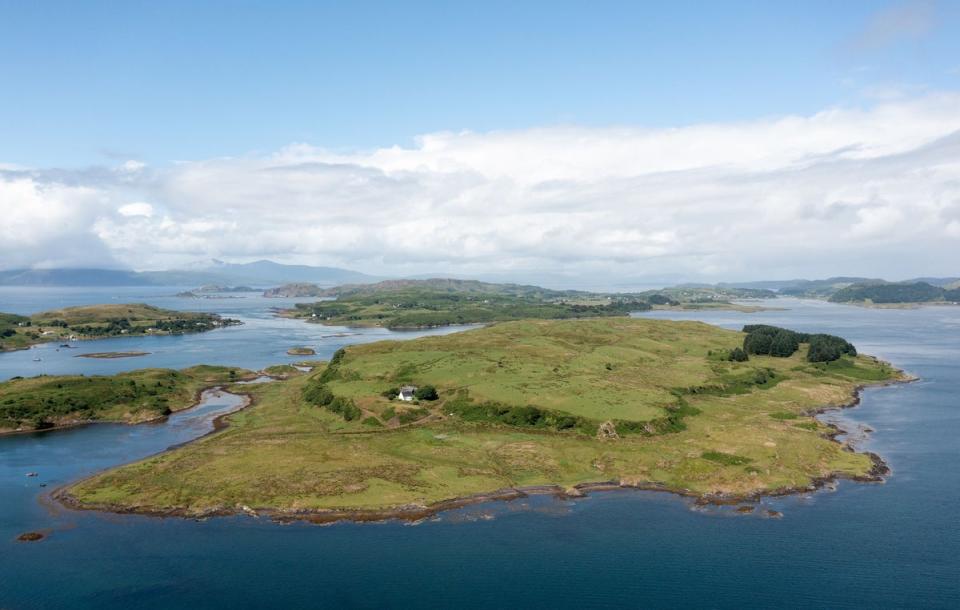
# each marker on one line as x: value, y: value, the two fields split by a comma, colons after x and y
x: 860, y: 546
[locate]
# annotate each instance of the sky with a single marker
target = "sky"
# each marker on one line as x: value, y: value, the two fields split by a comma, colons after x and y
x: 686, y: 141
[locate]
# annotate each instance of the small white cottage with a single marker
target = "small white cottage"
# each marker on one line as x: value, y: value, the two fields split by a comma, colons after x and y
x: 407, y: 393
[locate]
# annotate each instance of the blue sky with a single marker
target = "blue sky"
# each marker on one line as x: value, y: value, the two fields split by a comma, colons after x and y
x: 84, y: 82
x: 597, y: 142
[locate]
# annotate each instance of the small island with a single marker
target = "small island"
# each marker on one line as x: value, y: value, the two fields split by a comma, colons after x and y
x: 112, y: 355
x: 102, y: 321
x: 301, y: 351
x: 404, y: 429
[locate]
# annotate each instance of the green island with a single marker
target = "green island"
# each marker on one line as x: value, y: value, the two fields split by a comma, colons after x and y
x: 112, y: 355
x: 404, y: 429
x: 45, y: 402
x: 413, y: 304
x: 896, y: 294
x: 301, y: 351
x: 102, y: 321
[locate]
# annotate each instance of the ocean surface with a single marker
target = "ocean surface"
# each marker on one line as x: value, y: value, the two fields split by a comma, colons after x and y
x: 889, y: 545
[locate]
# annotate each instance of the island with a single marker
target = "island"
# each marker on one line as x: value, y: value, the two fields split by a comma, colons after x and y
x: 215, y: 291
x: 301, y: 351
x: 415, y: 304
x: 403, y: 429
x: 112, y: 355
x: 102, y: 321
x: 57, y: 401
x: 886, y: 294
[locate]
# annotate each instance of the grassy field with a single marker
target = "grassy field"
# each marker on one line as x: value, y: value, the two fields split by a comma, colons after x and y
x: 744, y: 429
x: 43, y: 402
x: 97, y: 321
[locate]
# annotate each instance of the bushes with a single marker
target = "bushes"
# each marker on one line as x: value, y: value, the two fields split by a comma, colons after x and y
x: 771, y: 340
x: 427, y: 392
x: 318, y: 394
x: 827, y: 348
x: 727, y: 459
x: 527, y: 416
x: 737, y: 355
x: 345, y: 408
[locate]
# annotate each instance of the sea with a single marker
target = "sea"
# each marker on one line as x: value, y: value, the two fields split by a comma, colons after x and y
x: 856, y: 545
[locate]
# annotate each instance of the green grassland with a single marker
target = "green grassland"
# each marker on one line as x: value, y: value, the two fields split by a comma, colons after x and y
x: 99, y: 321
x: 652, y: 403
x: 44, y: 402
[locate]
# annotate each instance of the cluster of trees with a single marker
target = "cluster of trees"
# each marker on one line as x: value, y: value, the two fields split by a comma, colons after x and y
x: 783, y: 343
x: 426, y: 392
x: 661, y: 299
x: 527, y: 416
x: 737, y: 354
x: 771, y: 340
x: 318, y: 394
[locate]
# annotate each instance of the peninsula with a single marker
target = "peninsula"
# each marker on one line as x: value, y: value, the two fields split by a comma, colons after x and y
x: 102, y: 321
x: 46, y: 402
x: 403, y: 429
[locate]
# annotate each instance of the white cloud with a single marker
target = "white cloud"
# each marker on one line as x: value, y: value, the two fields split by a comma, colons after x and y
x: 871, y: 191
x: 138, y: 208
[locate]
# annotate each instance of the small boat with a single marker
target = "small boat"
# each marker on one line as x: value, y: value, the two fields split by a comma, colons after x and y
x: 32, y: 474
x: 38, y: 359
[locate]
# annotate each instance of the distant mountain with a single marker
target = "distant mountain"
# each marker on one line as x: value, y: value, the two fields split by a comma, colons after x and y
x: 260, y: 273
x: 71, y: 277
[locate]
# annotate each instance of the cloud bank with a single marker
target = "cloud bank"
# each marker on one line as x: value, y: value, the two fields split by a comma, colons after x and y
x: 873, y: 191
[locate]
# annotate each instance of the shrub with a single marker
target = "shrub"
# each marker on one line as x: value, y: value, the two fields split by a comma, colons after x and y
x: 738, y: 355
x: 727, y: 459
x: 427, y: 392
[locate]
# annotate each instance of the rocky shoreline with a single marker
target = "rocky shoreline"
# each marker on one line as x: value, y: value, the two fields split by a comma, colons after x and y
x: 418, y: 512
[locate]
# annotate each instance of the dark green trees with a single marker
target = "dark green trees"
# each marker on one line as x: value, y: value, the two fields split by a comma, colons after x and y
x: 781, y: 342
x: 427, y: 392
x: 738, y: 355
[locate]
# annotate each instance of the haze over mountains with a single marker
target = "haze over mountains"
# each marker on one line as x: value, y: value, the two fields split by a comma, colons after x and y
x: 265, y: 273
x: 258, y: 273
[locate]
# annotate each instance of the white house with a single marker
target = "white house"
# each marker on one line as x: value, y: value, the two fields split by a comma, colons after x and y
x: 407, y: 393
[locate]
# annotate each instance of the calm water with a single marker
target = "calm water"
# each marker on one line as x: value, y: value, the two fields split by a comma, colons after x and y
x: 261, y: 341
x: 863, y: 545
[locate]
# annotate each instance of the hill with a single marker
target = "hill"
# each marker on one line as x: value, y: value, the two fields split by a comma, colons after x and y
x: 901, y: 293
x: 626, y: 402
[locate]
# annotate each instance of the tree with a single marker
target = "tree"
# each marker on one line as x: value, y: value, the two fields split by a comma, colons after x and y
x: 784, y: 344
x: 427, y: 392
x: 738, y: 355
x: 757, y: 343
